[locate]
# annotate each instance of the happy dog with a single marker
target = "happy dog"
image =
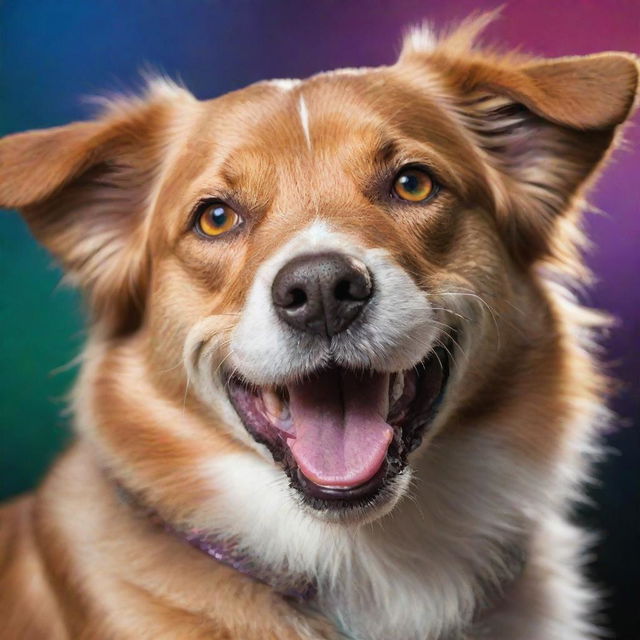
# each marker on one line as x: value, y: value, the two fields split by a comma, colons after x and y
x: 332, y: 387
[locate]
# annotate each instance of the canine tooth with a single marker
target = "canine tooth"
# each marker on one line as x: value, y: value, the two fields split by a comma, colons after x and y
x: 398, y: 387
x: 272, y: 403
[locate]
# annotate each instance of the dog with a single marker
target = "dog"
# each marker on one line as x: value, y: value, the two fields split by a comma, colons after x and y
x: 335, y: 385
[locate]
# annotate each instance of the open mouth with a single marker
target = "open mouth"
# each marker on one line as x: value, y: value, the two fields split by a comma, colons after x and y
x: 342, y: 436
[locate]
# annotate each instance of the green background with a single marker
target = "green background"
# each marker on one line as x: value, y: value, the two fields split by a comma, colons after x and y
x: 41, y: 334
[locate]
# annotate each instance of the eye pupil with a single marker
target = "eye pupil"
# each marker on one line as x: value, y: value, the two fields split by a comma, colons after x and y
x: 218, y: 216
x: 409, y: 182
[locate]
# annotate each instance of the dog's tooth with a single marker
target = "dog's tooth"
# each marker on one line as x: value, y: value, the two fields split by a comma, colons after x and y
x: 398, y: 387
x: 272, y: 403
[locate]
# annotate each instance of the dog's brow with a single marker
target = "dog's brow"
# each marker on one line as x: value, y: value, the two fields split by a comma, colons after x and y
x: 229, y: 175
x: 304, y: 119
x: 385, y: 151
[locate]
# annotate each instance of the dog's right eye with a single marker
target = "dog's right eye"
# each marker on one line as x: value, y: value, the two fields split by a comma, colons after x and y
x: 215, y: 218
x: 414, y: 184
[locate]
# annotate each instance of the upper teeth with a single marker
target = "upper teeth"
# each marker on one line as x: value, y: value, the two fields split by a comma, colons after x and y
x: 398, y: 387
x: 274, y: 405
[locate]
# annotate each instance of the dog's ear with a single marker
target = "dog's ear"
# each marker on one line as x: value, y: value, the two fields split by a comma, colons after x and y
x: 541, y: 126
x: 84, y: 191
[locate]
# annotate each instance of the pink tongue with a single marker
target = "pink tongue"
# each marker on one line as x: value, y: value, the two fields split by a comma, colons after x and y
x: 341, y: 437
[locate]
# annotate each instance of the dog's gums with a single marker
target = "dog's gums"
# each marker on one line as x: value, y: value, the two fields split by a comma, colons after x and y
x: 342, y: 435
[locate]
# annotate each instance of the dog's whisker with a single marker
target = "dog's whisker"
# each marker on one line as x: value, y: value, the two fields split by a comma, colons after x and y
x: 220, y: 365
x: 173, y: 368
x: 484, y: 304
x: 186, y: 391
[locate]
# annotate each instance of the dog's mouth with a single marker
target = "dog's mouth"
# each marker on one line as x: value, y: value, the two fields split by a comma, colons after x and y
x: 343, y: 436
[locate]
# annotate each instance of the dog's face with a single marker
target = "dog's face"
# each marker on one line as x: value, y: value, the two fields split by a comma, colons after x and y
x: 318, y: 277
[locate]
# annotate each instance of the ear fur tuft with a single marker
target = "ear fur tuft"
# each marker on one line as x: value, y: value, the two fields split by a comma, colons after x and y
x: 459, y: 39
x: 84, y: 191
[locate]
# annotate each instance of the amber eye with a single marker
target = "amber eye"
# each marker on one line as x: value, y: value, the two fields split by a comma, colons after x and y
x: 216, y: 218
x: 413, y: 184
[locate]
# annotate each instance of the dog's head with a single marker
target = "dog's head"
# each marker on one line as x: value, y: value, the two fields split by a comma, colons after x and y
x: 317, y: 278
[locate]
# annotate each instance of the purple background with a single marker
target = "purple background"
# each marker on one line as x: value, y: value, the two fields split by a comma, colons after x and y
x: 54, y: 52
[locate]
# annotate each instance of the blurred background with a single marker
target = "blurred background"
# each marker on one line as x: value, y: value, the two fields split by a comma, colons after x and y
x: 54, y: 53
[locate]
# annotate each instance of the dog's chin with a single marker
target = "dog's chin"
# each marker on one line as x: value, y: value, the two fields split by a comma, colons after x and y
x: 343, y: 437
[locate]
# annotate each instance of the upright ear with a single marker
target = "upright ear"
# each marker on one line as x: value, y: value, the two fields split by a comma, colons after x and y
x: 543, y: 127
x: 84, y: 191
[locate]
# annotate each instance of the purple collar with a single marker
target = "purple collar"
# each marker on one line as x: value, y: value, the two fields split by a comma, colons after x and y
x: 227, y: 552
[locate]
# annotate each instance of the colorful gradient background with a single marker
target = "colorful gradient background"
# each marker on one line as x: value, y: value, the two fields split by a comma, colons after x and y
x: 54, y: 52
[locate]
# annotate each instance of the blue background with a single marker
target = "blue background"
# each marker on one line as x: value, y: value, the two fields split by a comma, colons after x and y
x: 52, y: 53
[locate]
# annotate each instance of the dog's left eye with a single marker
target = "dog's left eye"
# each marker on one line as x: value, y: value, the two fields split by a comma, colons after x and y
x: 414, y: 184
x: 216, y: 218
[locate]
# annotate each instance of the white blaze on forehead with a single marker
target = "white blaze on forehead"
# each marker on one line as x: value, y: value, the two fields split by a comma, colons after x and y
x: 304, y: 119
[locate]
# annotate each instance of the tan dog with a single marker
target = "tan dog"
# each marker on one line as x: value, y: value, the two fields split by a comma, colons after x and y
x: 333, y: 388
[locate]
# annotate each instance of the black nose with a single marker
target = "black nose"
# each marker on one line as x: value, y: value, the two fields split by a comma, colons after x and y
x: 321, y: 293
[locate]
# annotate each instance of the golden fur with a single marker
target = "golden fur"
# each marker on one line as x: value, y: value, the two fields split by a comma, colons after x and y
x: 515, y: 140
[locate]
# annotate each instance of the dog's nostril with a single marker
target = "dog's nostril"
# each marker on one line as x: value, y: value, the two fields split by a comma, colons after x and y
x: 297, y: 298
x: 343, y: 290
x: 352, y: 290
